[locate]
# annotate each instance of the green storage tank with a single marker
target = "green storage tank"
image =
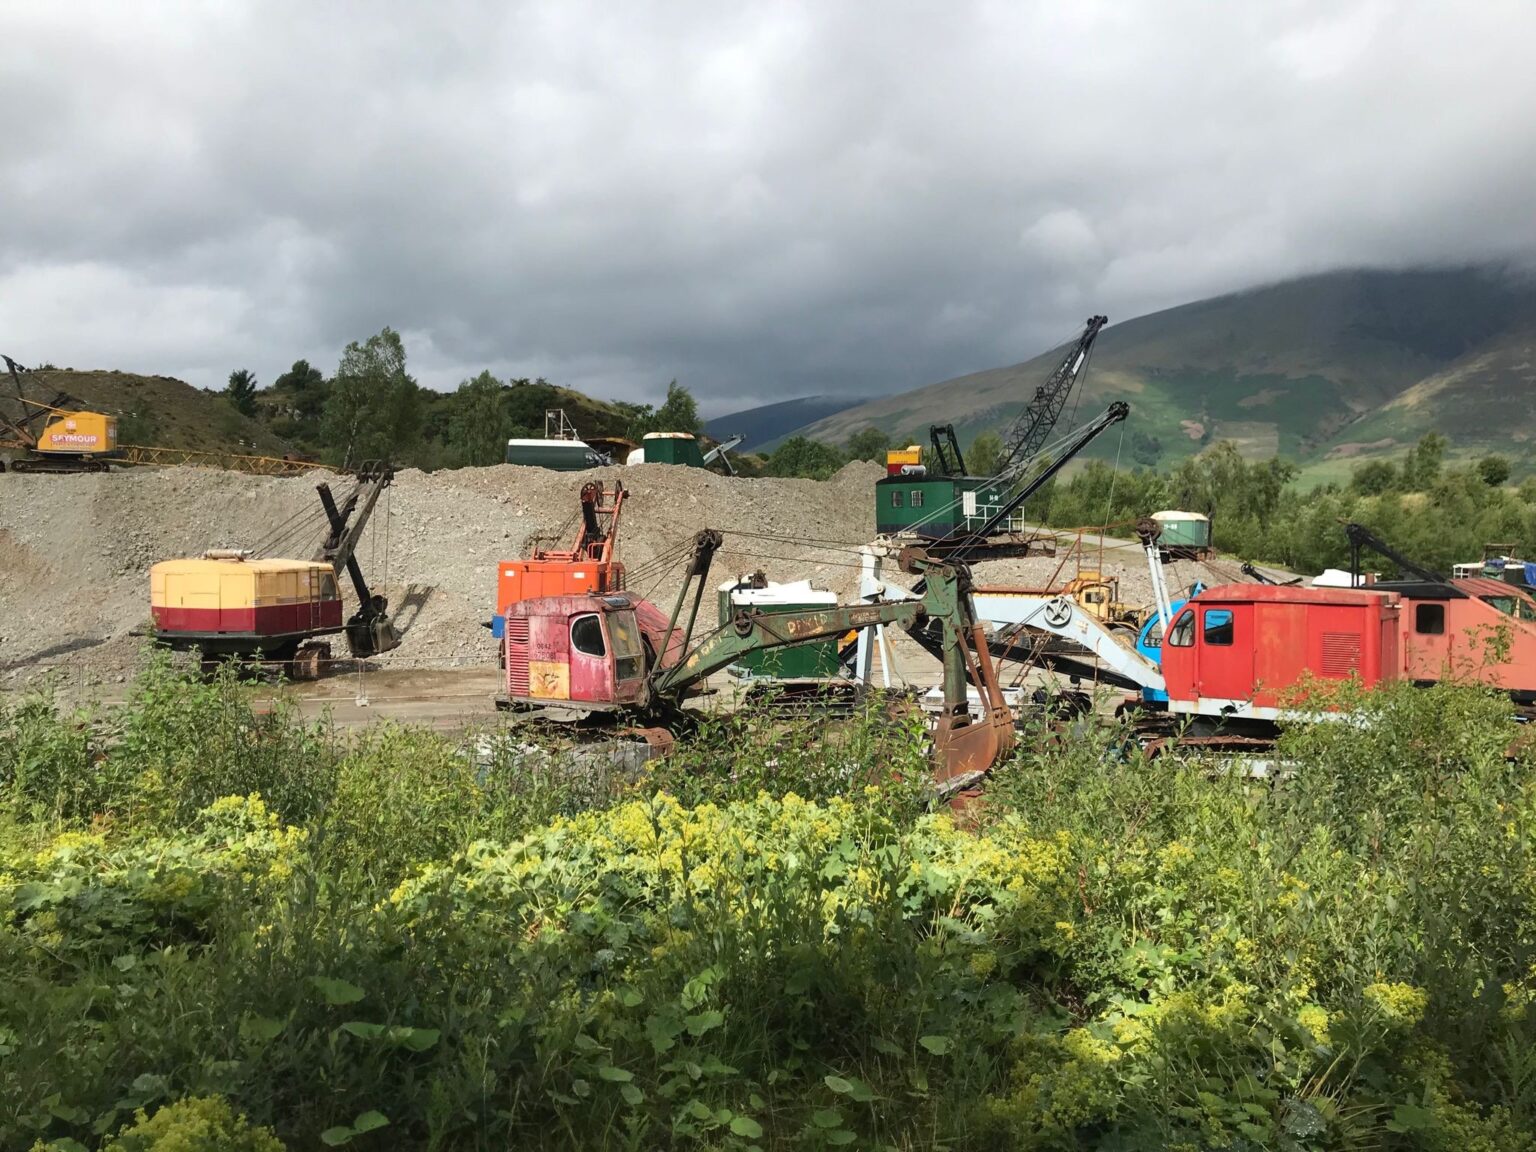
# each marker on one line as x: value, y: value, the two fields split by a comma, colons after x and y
x: 814, y: 660
x: 672, y: 448
x: 559, y: 455
x: 1184, y: 533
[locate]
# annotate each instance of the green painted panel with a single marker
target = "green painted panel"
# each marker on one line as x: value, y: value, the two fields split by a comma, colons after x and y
x: 816, y: 659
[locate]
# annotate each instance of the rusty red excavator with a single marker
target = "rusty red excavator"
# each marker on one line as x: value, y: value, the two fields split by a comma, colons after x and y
x: 619, y: 655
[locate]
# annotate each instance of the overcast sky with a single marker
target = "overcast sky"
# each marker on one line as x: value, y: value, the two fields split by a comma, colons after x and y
x: 762, y: 200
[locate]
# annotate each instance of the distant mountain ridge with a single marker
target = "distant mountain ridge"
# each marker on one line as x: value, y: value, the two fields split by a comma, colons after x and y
x: 765, y: 426
x: 1326, y: 369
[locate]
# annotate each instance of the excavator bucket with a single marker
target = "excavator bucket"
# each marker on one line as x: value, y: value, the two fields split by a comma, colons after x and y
x: 370, y: 633
x: 966, y: 749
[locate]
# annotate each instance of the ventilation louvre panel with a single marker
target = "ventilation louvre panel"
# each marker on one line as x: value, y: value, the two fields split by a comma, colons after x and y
x: 1341, y: 654
x: 517, y: 656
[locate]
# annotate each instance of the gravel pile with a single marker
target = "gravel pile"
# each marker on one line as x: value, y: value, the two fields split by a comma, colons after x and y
x: 75, y: 551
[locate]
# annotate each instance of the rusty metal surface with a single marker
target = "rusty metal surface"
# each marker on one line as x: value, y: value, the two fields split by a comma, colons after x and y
x: 660, y: 741
x: 1163, y: 745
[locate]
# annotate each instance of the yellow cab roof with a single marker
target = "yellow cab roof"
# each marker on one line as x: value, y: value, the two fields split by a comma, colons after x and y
x: 193, y: 564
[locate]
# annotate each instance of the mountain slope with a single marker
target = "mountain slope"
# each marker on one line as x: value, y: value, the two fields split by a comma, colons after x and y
x: 1361, y: 362
x: 764, y: 426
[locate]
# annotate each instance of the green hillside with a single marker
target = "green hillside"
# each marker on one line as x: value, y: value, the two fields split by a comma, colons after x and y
x: 157, y: 411
x: 1328, y: 369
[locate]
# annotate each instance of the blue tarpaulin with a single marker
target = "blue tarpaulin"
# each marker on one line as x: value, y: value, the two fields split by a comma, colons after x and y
x: 1530, y: 573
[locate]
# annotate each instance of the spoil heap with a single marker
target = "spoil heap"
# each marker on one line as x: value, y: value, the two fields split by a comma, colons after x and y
x: 75, y: 551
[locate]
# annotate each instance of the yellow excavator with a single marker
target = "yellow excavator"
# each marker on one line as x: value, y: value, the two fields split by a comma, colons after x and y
x: 63, y: 436
x: 56, y: 437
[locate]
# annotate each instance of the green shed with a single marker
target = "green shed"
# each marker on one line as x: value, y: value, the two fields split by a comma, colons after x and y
x: 814, y: 660
x: 937, y: 507
x: 672, y: 448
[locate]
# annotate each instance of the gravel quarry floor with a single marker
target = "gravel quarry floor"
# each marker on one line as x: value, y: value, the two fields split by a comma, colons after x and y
x: 75, y: 551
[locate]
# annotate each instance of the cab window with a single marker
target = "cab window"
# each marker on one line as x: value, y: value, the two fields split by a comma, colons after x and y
x: 1504, y: 604
x: 1218, y: 626
x: 628, y: 654
x: 328, y: 587
x: 1182, y: 633
x: 1429, y: 619
x: 895, y: 499
x: 1527, y: 610
x: 587, y: 636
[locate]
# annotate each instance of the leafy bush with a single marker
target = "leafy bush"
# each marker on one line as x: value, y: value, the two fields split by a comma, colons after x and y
x: 199, y: 1124
x: 485, y: 944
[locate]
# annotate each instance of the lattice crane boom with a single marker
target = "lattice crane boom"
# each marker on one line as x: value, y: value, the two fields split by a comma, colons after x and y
x: 1033, y: 427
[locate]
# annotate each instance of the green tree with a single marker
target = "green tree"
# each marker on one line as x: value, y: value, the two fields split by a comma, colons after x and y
x: 478, y: 424
x: 294, y: 406
x: 985, y: 455
x: 374, y: 409
x: 241, y: 391
x: 799, y: 456
x: 1421, y: 467
x: 1374, y: 477
x: 1494, y: 470
x: 1146, y: 450
x: 302, y: 390
x: 868, y: 444
x: 678, y: 413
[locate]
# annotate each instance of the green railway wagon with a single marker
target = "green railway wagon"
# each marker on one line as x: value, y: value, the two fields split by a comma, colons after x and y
x: 1184, y: 534
x: 938, y: 507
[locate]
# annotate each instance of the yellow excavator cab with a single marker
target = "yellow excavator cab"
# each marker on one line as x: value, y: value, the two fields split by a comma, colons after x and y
x: 78, y: 434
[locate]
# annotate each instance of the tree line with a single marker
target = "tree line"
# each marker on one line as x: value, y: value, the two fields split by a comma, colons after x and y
x: 1432, y: 512
x: 372, y: 408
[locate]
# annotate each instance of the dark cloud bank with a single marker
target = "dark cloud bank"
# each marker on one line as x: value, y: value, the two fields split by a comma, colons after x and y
x: 760, y: 200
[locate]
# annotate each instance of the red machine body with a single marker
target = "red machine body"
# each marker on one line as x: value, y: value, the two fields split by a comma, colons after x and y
x: 587, y: 567
x: 1474, y: 629
x: 1238, y: 650
x: 594, y: 652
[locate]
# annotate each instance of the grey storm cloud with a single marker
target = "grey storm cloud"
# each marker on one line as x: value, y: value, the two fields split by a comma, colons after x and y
x: 760, y: 200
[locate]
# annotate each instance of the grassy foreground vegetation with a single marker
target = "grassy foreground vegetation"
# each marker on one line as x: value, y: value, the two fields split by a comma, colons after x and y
x: 220, y: 929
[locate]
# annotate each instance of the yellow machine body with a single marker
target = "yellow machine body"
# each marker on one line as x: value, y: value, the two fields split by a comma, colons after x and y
x: 262, y: 603
x: 79, y: 434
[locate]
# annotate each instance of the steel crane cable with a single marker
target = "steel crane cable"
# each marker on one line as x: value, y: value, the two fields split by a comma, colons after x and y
x: 308, y: 523
x: 282, y: 530
x: 1077, y: 398
x: 1109, y: 505
x: 302, y: 523
x: 314, y: 520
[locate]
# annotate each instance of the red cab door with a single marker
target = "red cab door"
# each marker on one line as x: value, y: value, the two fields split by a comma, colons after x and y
x: 1224, y: 645
x: 1178, y: 656
x: 591, y: 660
